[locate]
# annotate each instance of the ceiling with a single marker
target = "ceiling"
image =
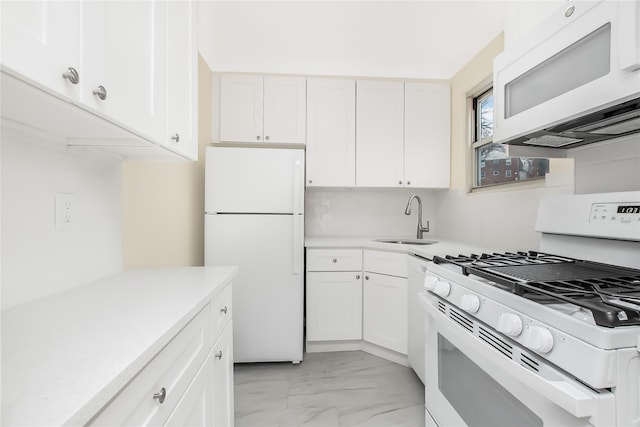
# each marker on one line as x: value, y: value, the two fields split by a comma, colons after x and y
x: 403, y: 39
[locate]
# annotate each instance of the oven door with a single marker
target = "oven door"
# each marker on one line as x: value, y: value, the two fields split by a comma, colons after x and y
x: 471, y: 383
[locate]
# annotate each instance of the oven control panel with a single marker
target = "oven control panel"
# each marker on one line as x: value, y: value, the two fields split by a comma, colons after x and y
x: 608, y: 213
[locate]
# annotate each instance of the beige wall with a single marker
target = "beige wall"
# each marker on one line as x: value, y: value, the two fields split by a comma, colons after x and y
x: 163, y: 202
x: 476, y: 73
x: 501, y: 218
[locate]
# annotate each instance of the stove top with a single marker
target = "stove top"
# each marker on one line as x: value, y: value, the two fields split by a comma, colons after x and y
x: 611, y: 293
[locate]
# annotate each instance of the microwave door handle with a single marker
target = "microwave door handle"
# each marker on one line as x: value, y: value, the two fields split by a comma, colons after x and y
x: 573, y: 398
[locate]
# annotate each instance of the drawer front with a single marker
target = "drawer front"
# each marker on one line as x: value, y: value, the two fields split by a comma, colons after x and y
x: 390, y: 263
x: 334, y: 260
x: 220, y: 312
x: 172, y: 368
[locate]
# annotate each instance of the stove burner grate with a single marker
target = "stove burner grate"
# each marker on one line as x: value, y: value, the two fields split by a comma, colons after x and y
x: 611, y: 293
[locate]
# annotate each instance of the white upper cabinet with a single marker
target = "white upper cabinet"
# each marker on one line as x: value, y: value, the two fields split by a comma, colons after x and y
x: 331, y: 133
x: 181, y: 132
x: 255, y: 108
x: 42, y: 40
x: 124, y: 52
x: 241, y: 107
x: 379, y: 134
x: 284, y: 109
x: 427, y: 140
x: 115, y: 62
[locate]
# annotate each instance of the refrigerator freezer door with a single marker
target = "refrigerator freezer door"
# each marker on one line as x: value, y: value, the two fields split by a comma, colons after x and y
x: 268, y: 292
x: 254, y: 180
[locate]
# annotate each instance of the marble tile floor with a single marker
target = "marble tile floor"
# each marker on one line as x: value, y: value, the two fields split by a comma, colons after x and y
x: 350, y: 388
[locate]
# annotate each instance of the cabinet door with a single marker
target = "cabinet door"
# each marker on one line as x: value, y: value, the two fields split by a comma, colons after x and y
x: 427, y: 140
x: 334, y: 306
x: 195, y: 408
x: 241, y: 108
x: 379, y: 134
x: 331, y: 133
x: 182, y: 78
x: 385, y: 311
x: 124, y: 53
x: 222, y: 396
x: 284, y: 110
x: 41, y: 40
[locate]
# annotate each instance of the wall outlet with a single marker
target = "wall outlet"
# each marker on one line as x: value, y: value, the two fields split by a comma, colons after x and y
x: 64, y: 211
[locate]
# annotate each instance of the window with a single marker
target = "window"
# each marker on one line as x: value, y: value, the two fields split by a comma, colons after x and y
x: 492, y: 163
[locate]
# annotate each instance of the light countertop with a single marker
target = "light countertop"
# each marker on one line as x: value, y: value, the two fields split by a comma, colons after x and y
x: 441, y: 248
x: 65, y: 356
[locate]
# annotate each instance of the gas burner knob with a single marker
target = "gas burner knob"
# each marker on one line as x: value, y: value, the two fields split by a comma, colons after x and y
x: 510, y: 324
x: 538, y: 339
x: 430, y: 282
x: 470, y: 303
x: 442, y: 288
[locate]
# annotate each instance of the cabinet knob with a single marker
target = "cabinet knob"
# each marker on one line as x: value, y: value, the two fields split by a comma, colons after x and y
x: 161, y: 396
x: 569, y: 11
x: 100, y: 92
x: 266, y: 137
x: 258, y: 137
x: 310, y: 181
x: 72, y: 75
x: 224, y: 310
x: 408, y: 182
x: 218, y: 355
x: 366, y: 277
x: 400, y: 182
x: 358, y: 276
x: 335, y: 260
x: 176, y: 137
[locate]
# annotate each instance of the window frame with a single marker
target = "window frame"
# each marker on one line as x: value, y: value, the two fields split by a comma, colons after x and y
x: 477, y: 174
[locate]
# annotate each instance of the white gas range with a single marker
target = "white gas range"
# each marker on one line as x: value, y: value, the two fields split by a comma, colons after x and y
x: 541, y: 338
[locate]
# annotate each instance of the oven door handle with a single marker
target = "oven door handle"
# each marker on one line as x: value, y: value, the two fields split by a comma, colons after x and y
x: 574, y: 398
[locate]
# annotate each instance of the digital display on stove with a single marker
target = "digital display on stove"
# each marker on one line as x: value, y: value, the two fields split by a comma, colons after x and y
x: 629, y: 209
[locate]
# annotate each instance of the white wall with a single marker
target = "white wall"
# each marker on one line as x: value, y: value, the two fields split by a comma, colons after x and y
x: 610, y: 166
x: 37, y: 260
x: 366, y: 212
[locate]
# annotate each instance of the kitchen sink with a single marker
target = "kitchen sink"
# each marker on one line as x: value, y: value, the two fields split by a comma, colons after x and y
x: 407, y: 241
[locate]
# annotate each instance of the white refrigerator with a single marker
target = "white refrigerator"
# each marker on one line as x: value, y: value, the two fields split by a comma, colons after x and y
x: 254, y: 218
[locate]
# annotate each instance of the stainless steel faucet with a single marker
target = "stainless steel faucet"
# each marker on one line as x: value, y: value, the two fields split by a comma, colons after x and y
x: 407, y: 211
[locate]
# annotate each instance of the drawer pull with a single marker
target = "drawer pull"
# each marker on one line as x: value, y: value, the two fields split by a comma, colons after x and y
x: 335, y: 260
x: 161, y: 396
x: 224, y: 310
x: 218, y: 355
x: 357, y: 276
x: 366, y: 277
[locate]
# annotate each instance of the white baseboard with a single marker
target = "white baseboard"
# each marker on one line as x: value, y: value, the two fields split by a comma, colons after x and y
x: 355, y: 345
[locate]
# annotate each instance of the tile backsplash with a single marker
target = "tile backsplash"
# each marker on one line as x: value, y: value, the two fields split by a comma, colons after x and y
x: 364, y: 212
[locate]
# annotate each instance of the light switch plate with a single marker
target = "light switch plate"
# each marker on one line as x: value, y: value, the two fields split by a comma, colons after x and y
x: 64, y: 211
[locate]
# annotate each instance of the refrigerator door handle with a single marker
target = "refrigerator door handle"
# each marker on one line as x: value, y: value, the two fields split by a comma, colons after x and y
x: 297, y: 217
x: 297, y: 187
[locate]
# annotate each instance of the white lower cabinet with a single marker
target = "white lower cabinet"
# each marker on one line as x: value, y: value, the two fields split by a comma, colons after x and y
x: 385, y: 311
x: 190, y: 380
x: 222, y: 392
x: 334, y: 306
x: 334, y: 294
x: 385, y: 319
x: 195, y: 409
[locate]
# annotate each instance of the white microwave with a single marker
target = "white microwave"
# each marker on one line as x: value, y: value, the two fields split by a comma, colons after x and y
x: 574, y: 80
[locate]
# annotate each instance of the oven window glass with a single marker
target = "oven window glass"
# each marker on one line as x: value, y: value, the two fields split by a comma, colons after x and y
x: 476, y: 397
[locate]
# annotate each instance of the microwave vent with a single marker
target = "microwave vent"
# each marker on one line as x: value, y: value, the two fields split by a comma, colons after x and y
x: 554, y: 141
